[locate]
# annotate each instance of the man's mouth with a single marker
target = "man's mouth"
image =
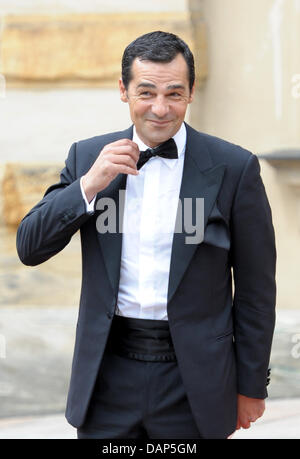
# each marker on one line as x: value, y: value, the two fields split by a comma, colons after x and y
x: 160, y: 123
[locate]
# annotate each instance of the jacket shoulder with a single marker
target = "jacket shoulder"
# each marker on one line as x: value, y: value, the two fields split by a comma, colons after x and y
x: 221, y: 150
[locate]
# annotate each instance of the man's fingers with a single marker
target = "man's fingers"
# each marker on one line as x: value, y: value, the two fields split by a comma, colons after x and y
x: 123, y: 169
x: 126, y: 160
x: 115, y: 158
x: 249, y: 410
x: 245, y: 424
x: 121, y: 147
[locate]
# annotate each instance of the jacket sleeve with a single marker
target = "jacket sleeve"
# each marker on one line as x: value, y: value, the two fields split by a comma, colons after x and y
x: 50, y: 225
x: 253, y: 262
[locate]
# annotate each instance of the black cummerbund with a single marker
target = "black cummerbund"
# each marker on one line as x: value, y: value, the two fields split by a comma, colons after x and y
x: 141, y: 339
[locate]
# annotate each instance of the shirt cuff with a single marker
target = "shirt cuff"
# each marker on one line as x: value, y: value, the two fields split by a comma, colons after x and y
x: 88, y: 205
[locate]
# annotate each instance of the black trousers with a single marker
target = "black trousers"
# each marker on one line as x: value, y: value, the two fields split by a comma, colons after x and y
x: 138, y: 399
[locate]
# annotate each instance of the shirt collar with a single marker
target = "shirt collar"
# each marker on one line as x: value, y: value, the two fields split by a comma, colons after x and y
x: 179, y: 138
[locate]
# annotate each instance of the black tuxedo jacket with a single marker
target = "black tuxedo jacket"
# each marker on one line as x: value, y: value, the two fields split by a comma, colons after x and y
x: 222, y: 338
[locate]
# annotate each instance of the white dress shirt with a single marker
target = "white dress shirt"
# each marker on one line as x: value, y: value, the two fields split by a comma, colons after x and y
x: 151, y: 202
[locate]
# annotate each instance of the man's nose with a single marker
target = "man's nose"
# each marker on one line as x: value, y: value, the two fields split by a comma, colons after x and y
x: 160, y: 108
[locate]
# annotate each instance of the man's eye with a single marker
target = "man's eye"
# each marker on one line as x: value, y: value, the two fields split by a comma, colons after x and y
x: 175, y: 94
x: 146, y: 93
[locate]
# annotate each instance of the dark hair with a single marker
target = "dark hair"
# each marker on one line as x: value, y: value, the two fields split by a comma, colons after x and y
x: 156, y: 47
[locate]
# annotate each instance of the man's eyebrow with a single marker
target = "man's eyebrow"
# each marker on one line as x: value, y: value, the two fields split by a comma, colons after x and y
x: 146, y: 85
x: 175, y: 86
x: 151, y: 85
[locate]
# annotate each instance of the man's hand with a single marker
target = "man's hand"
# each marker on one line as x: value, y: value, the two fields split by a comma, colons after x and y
x: 249, y: 410
x: 115, y: 158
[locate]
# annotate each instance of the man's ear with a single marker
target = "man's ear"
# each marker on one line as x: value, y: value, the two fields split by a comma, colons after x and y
x: 192, y: 93
x: 123, y: 92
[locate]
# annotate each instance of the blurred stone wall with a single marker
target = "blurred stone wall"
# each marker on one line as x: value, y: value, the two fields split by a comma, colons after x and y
x: 74, y: 49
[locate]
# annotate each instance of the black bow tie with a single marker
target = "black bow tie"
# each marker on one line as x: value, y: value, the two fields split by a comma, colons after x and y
x: 167, y: 149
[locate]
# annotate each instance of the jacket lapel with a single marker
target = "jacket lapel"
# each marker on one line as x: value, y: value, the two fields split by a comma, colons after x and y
x: 200, y: 180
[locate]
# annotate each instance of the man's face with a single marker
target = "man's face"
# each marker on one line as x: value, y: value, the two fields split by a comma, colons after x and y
x: 158, y: 95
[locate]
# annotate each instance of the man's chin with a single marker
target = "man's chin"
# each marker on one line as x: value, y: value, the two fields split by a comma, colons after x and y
x: 157, y: 136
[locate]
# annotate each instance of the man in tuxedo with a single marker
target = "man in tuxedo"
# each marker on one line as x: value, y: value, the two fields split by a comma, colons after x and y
x: 164, y: 347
